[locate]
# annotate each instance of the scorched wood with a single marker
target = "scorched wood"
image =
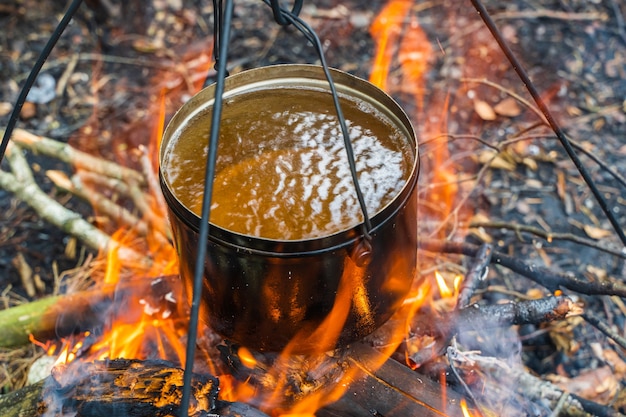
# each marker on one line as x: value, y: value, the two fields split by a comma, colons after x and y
x: 129, y: 388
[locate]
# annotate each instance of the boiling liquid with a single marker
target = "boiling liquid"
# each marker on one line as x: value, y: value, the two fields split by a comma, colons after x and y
x: 282, y: 170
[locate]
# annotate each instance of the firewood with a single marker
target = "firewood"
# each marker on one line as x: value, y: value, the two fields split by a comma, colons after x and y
x: 393, y: 390
x: 120, y: 387
x: 365, y: 382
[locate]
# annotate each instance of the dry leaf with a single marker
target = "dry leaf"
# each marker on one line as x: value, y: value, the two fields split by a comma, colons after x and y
x: 479, y: 218
x: 481, y: 234
x: 618, y: 365
x: 530, y: 163
x: 484, y: 110
x: 596, y: 232
x: 599, y: 273
x: 508, y: 107
x: 533, y: 183
x: 494, y: 160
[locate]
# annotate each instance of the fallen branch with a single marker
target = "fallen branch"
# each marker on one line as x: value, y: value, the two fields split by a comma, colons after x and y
x: 503, y: 377
x: 474, y: 276
x: 553, y: 281
x: 22, y: 183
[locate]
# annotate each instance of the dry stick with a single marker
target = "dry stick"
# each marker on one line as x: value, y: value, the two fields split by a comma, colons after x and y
x: 550, y: 236
x: 105, y: 205
x: 541, y: 275
x: 72, y: 156
x: 21, y: 183
x: 551, y: 14
x: 474, y: 276
x: 100, y: 202
x: 477, y: 316
x: 151, y: 179
x: 503, y: 378
x: 133, y: 191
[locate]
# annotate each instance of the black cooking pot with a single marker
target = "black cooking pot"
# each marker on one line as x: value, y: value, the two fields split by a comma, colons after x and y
x: 316, y: 291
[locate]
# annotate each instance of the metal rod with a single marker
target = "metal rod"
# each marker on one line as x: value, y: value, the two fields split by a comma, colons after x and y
x: 523, y: 75
x: 206, y: 210
x: 34, y: 72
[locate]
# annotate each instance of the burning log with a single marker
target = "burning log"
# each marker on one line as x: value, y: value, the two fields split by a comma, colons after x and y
x: 130, y: 388
x: 485, y: 317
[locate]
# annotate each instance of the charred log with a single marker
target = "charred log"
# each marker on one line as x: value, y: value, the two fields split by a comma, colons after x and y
x: 121, y: 387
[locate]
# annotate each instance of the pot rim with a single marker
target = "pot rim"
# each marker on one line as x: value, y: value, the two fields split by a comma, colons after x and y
x: 307, y: 77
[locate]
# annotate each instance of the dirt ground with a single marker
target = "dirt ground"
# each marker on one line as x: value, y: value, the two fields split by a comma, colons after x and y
x: 106, y: 65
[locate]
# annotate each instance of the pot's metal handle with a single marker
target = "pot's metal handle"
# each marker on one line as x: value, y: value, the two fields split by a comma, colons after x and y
x: 361, y: 254
x: 278, y: 14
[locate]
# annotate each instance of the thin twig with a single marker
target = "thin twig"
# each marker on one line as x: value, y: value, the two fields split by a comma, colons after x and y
x: 450, y: 354
x: 534, y: 389
x: 550, y: 14
x: 99, y: 201
x: 621, y: 27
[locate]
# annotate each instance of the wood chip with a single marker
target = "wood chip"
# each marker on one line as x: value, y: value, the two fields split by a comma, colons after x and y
x: 26, y: 274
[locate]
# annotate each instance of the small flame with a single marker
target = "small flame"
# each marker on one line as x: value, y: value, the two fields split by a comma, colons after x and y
x: 465, y: 408
x: 70, y: 349
x: 445, y: 291
x: 246, y: 357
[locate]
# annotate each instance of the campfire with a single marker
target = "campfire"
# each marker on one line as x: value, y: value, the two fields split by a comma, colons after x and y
x: 512, y: 310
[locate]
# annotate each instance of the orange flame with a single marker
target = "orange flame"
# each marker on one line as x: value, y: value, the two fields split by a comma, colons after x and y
x: 386, y: 30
